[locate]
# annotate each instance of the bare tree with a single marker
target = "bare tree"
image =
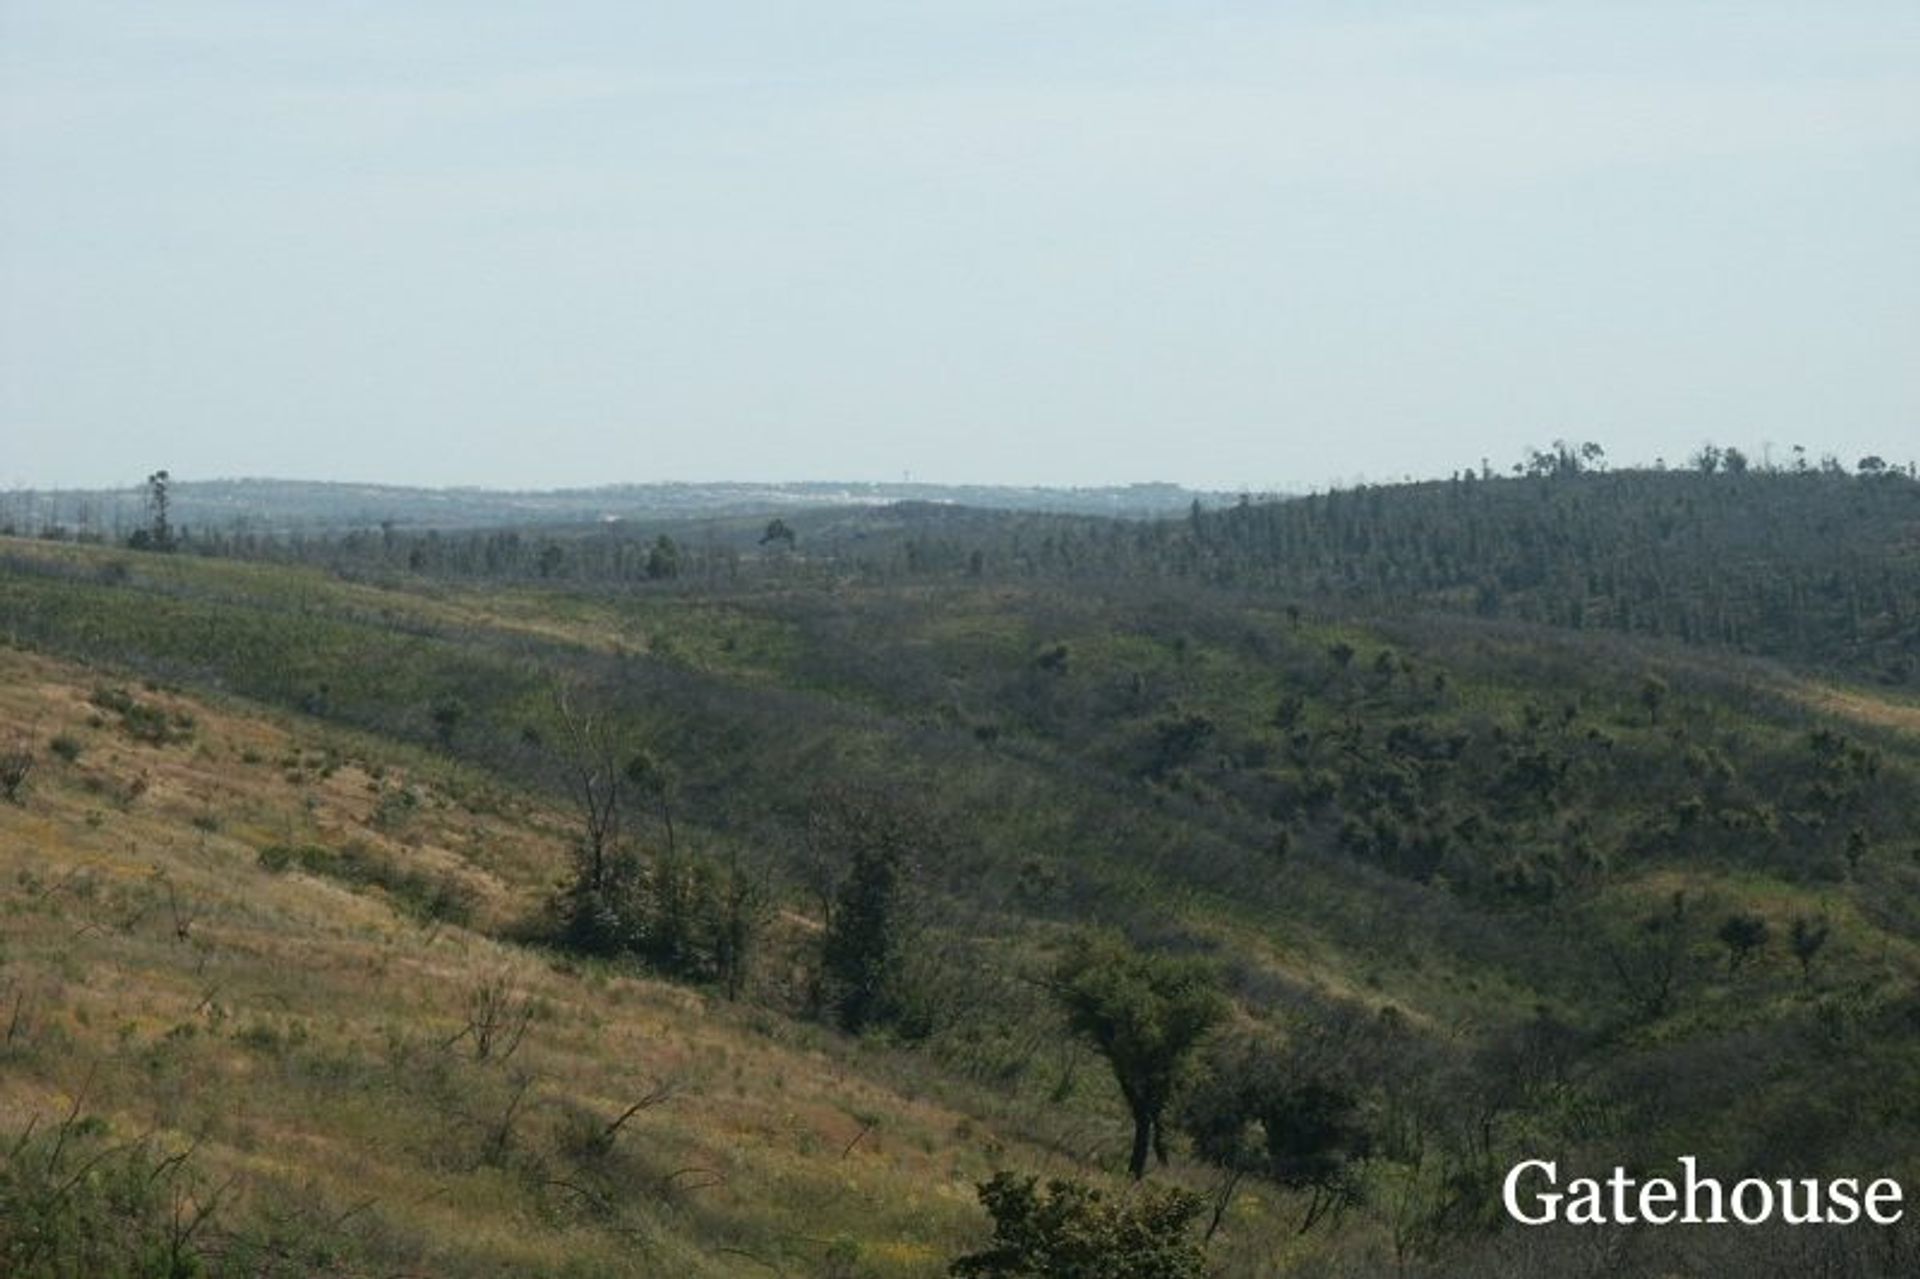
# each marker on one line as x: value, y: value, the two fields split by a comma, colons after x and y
x: 184, y: 914
x: 590, y: 750
x: 596, y: 904
x: 498, y: 1015
x: 1651, y: 959
x: 1809, y: 937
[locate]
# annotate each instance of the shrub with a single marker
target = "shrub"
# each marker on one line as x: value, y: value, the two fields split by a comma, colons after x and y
x: 71, y: 1204
x: 681, y: 914
x: 142, y: 721
x: 16, y: 766
x: 425, y: 896
x: 1072, y: 1231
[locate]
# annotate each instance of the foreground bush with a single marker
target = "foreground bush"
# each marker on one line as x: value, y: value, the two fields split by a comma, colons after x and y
x: 77, y: 1204
x: 1072, y: 1231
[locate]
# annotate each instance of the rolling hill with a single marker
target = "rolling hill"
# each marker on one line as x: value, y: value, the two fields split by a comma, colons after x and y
x: 291, y: 987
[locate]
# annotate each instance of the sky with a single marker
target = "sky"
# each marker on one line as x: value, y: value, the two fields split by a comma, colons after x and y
x: 1247, y: 246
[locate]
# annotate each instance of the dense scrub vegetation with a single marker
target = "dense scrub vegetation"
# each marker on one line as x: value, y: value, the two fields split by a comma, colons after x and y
x: 1816, y: 564
x: 1201, y: 838
x: 1818, y: 567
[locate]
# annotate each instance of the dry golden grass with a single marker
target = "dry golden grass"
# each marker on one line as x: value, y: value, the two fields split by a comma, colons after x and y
x: 307, y: 1035
x: 1859, y: 707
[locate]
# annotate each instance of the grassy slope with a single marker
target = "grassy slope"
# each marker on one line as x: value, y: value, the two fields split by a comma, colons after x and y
x: 294, y: 1029
x: 328, y: 1006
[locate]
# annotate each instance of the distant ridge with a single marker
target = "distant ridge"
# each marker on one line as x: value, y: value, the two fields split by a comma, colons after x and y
x: 315, y: 504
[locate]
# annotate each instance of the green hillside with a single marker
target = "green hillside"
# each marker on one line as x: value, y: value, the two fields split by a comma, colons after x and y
x: 1570, y: 816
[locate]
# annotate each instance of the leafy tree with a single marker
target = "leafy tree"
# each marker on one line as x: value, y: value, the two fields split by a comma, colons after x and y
x: 1146, y: 1014
x: 447, y: 716
x: 778, y: 533
x: 1260, y: 1110
x: 743, y: 908
x: 1742, y: 934
x: 1178, y: 740
x: 1072, y: 1231
x: 860, y: 949
x: 692, y: 917
x: 1653, y: 695
x: 158, y: 501
x: 677, y: 911
x: 663, y: 560
x: 1857, y: 847
x: 1053, y: 659
x: 158, y: 534
x: 863, y: 850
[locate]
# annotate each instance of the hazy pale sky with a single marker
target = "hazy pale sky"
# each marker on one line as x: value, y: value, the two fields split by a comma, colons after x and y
x: 1231, y: 244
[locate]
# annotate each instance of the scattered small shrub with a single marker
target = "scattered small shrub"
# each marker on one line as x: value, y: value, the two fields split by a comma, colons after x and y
x: 395, y: 808
x: 425, y: 896
x: 72, y: 1204
x: 143, y: 721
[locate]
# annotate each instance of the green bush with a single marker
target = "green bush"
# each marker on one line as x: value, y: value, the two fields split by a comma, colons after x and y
x: 143, y: 721
x: 16, y: 766
x: 73, y: 1204
x: 1072, y: 1231
x: 425, y: 896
